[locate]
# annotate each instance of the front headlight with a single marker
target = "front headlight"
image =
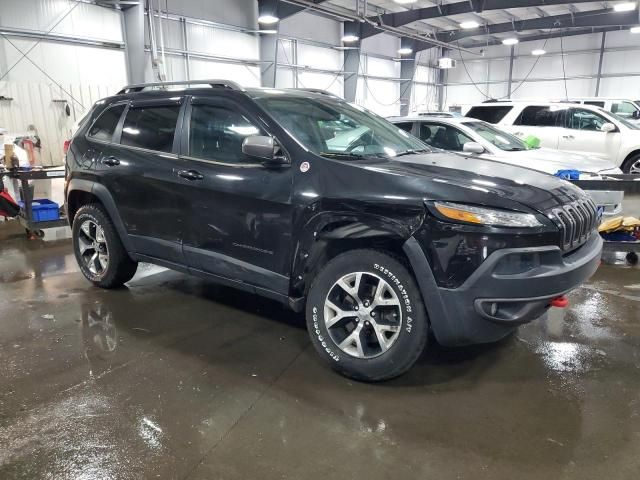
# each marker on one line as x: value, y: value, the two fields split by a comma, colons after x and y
x: 486, y: 216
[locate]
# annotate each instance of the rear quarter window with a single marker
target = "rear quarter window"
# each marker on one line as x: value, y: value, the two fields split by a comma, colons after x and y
x: 489, y: 113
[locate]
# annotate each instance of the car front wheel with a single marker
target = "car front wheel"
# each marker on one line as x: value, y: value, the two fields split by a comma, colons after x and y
x: 366, y: 317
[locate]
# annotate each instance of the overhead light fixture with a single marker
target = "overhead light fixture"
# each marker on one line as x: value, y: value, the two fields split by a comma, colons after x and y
x: 624, y: 7
x: 634, y: 29
x: 510, y: 41
x: 538, y: 51
x: 405, y: 51
x: 350, y: 38
x: 268, y: 19
x: 405, y: 2
x: 469, y: 24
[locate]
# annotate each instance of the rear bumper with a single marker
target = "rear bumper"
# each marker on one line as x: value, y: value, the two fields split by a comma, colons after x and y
x: 511, y: 287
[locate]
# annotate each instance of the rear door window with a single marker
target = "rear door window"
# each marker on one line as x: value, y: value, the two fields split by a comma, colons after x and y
x: 624, y: 109
x: 542, y: 116
x: 103, y: 128
x: 443, y: 136
x: 594, y: 103
x: 489, y: 113
x: 579, y: 119
x: 151, y: 127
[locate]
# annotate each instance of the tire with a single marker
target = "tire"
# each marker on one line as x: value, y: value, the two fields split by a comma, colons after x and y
x: 630, y: 163
x: 399, y: 313
x: 112, y: 270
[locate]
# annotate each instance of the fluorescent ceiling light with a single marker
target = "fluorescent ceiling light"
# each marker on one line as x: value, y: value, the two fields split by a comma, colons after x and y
x: 538, y: 51
x: 634, y: 29
x: 405, y: 51
x: 405, y: 2
x: 510, y: 41
x: 350, y: 38
x: 624, y: 7
x: 469, y: 24
x: 267, y: 19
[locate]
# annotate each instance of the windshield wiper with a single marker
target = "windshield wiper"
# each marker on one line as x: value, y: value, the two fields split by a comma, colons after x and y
x: 412, y: 152
x: 345, y: 156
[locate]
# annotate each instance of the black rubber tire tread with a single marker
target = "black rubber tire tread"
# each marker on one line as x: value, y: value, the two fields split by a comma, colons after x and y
x: 409, y: 345
x: 121, y: 267
x: 626, y: 166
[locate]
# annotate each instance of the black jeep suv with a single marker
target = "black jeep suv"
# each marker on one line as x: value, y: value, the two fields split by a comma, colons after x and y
x: 303, y: 198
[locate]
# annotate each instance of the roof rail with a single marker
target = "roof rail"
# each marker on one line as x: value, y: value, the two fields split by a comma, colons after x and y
x: 212, y: 83
x: 318, y: 90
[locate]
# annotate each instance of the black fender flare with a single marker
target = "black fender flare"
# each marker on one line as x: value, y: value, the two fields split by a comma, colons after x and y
x: 101, y: 192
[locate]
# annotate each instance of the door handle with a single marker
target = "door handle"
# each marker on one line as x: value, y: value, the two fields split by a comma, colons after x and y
x: 568, y: 137
x: 110, y: 161
x: 190, y: 174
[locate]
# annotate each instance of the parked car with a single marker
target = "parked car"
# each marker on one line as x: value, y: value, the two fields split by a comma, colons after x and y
x: 480, y: 139
x: 623, y: 107
x: 377, y: 243
x: 564, y: 126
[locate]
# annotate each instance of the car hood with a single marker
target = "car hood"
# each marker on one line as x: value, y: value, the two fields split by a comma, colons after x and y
x: 550, y: 161
x: 446, y: 176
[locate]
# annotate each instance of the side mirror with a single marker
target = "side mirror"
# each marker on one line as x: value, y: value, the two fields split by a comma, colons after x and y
x: 264, y: 148
x: 472, y: 147
x: 608, y: 127
x: 635, y: 115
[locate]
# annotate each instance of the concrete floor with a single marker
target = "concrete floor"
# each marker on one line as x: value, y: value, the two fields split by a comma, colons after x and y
x: 174, y: 377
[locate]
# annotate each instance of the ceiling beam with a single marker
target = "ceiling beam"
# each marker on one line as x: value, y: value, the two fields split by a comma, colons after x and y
x: 594, y: 18
x: 287, y: 9
x: 545, y: 36
x: 399, y: 19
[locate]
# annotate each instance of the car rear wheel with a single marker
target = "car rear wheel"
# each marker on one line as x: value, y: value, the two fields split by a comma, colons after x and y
x: 100, y: 254
x: 366, y: 317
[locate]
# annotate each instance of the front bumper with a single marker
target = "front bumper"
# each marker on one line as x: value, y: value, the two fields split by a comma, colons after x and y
x: 500, y: 295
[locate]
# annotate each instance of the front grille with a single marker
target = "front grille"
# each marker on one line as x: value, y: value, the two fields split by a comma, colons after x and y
x: 576, y: 221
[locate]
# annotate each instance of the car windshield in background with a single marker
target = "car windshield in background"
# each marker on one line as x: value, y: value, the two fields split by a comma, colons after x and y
x: 625, y: 122
x: 335, y: 129
x: 502, y: 140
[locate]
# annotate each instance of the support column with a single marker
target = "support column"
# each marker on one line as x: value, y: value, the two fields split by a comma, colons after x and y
x: 510, y: 73
x: 407, y: 72
x: 269, y: 59
x: 442, y: 78
x: 353, y: 32
x: 134, y: 42
x: 602, y: 47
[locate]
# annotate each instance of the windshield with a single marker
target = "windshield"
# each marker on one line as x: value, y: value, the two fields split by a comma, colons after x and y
x: 335, y: 129
x: 502, y: 140
x: 625, y: 122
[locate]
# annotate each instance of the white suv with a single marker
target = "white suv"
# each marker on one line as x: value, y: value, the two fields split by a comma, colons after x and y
x: 569, y: 127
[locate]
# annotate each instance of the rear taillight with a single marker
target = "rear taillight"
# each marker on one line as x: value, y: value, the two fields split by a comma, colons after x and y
x: 65, y: 146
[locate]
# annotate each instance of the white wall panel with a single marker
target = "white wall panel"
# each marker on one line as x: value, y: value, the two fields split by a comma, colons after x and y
x: 381, y: 44
x: 285, y: 78
x: 622, y: 62
x: 381, y: 67
x: 245, y: 75
x: 220, y: 42
x: 319, y: 57
x: 308, y: 26
x: 85, y: 20
x: 330, y: 82
x: 379, y: 96
x: 621, y: 87
x: 285, y: 51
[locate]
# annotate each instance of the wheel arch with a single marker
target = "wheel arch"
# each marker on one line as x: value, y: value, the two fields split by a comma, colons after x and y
x: 629, y: 156
x: 82, y: 192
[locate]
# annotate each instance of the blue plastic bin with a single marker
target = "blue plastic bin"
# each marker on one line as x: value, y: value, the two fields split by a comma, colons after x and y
x: 43, y: 210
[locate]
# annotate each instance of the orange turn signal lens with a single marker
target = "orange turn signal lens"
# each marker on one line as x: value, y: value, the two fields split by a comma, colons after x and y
x: 457, y: 214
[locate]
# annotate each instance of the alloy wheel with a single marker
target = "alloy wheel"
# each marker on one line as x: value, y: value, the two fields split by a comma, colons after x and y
x: 363, y: 315
x: 93, y: 248
x: 635, y: 167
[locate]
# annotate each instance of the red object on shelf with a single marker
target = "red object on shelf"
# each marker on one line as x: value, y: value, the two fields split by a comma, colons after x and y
x: 560, y: 302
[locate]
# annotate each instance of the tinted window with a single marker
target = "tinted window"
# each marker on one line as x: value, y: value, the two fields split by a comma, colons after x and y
x: 579, y: 119
x: 541, y: 117
x: 105, y: 125
x: 443, y: 136
x: 491, y: 114
x: 597, y: 104
x: 217, y: 133
x: 150, y: 127
x: 406, y: 126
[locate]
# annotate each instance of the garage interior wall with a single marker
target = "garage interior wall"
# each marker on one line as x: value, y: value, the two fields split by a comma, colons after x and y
x: 82, y: 55
x: 544, y: 74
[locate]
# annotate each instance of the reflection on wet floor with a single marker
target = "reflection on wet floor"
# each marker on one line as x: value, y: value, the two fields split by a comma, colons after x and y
x: 174, y: 377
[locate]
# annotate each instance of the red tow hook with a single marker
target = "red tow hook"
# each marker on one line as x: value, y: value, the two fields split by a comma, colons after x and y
x: 561, y: 302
